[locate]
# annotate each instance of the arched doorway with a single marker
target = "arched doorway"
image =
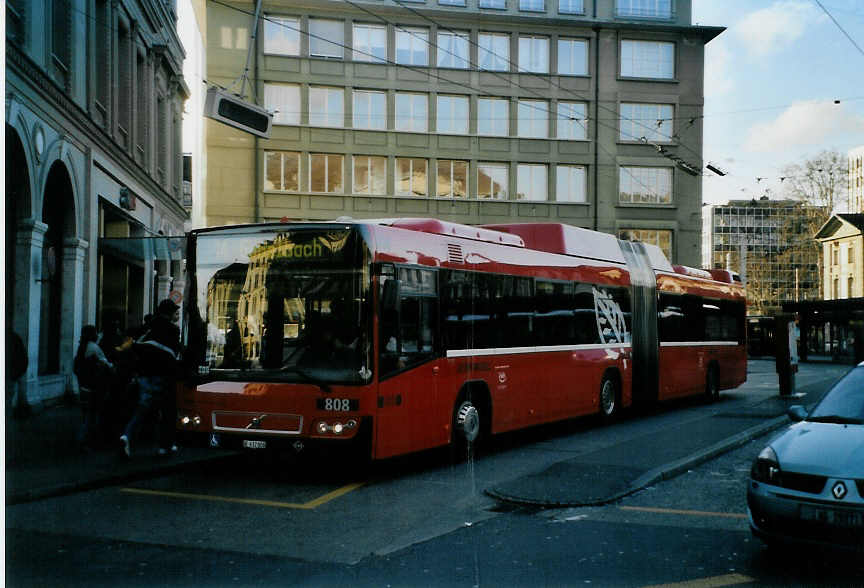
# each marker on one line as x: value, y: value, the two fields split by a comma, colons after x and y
x: 17, y: 203
x: 57, y: 209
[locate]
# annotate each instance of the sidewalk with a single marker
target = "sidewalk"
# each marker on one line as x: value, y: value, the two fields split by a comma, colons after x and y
x: 48, y: 461
x: 603, y: 476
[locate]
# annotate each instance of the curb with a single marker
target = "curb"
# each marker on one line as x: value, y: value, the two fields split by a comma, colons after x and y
x: 658, y: 474
x: 66, y: 488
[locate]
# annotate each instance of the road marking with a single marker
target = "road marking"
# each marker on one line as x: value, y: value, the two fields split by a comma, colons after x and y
x: 315, y: 503
x: 712, y: 582
x: 693, y: 513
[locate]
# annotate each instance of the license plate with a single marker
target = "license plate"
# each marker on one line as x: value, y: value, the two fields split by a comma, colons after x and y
x: 830, y: 516
x: 254, y: 444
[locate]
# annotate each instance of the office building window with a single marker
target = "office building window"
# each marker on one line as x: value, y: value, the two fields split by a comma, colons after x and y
x: 493, y: 116
x: 493, y: 181
x: 412, y: 112
x: 647, y: 59
x: 644, y: 8
x: 370, y: 110
x: 651, y: 121
x: 573, y: 57
x: 451, y: 2
x: 325, y: 173
x: 326, y: 107
x: 500, y: 4
x: 326, y: 37
x: 284, y: 101
x: 411, y: 176
x: 531, y: 182
x: 533, y: 54
x: 662, y: 238
x: 571, y: 6
x: 370, y: 43
x: 453, y: 50
x: 452, y: 114
x: 370, y: 175
x: 412, y: 46
x: 452, y: 178
x: 533, y: 119
x: 493, y: 51
x: 571, y: 183
x: 282, y: 171
x: 572, y: 121
x: 281, y: 35
x: 645, y: 185
x: 532, y: 5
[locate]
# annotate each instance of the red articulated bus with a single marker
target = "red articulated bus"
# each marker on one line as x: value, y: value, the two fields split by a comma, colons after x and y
x: 399, y: 335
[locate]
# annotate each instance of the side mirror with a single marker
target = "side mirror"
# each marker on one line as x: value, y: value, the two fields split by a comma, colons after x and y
x: 390, y: 297
x: 797, y: 413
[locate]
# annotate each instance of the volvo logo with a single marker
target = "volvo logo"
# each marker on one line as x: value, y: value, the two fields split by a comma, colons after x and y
x: 255, y: 423
x: 839, y: 490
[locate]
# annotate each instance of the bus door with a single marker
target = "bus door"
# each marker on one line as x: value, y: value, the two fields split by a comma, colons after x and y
x: 408, y: 410
x: 646, y: 347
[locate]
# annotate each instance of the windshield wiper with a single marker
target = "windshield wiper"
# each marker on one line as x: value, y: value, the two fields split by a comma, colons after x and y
x: 835, y: 419
x: 306, y: 377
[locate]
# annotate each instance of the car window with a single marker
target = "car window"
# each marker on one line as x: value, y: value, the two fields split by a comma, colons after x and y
x: 845, y: 399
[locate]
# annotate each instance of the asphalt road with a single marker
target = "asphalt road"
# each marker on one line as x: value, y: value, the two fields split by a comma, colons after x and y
x: 417, y: 521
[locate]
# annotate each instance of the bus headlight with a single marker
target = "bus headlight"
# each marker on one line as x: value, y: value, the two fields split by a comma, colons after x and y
x: 336, y: 428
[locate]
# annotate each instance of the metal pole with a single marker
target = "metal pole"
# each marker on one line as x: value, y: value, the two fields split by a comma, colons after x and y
x: 252, y: 46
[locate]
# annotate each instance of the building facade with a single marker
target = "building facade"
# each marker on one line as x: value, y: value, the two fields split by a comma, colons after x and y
x: 773, y: 237
x: 94, y: 97
x: 856, y: 180
x: 472, y: 111
x: 842, y: 242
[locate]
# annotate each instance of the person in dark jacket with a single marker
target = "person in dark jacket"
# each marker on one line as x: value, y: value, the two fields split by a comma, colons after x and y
x: 158, y: 352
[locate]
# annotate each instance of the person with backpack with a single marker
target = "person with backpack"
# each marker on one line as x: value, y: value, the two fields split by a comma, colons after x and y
x: 158, y: 353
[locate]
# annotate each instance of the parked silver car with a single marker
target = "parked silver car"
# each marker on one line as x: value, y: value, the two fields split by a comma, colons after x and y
x: 807, y: 486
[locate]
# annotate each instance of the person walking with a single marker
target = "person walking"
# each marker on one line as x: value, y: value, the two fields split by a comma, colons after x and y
x: 158, y: 352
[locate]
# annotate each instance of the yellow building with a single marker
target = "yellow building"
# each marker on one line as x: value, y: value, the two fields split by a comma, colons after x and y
x: 842, y: 239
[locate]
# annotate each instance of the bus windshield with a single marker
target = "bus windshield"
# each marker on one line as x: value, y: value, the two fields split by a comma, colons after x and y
x: 282, y: 304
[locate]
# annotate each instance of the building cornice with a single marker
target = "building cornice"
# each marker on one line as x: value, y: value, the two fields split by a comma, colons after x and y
x: 50, y: 93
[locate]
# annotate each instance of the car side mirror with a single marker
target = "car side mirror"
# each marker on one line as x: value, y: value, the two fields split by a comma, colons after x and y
x: 797, y: 413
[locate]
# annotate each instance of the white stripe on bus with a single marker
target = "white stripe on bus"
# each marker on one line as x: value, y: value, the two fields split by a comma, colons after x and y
x: 698, y: 343
x: 539, y: 349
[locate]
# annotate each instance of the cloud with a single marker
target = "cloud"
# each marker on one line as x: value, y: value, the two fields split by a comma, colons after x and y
x: 771, y: 29
x: 803, y: 123
x: 718, y: 75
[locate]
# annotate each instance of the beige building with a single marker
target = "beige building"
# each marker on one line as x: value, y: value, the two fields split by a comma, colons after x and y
x: 842, y: 240
x: 473, y: 111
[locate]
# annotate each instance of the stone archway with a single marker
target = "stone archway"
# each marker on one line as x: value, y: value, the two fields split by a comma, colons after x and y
x: 58, y: 210
x: 17, y: 205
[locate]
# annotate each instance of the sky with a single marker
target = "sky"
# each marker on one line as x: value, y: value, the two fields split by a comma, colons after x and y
x: 771, y: 81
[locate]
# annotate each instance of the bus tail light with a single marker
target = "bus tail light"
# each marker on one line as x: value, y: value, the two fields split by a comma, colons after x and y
x: 335, y: 428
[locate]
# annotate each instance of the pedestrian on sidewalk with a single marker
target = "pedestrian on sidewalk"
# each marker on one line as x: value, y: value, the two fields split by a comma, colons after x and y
x: 16, y: 403
x: 158, y: 351
x: 94, y: 371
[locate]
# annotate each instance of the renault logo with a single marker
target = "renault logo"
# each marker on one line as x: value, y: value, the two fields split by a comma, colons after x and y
x: 839, y: 490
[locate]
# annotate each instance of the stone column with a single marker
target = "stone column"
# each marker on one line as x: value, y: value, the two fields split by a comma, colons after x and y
x: 28, y: 292
x: 73, y: 300
x: 163, y: 279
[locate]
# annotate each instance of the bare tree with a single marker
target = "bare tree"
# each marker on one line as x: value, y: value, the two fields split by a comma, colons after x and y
x: 821, y: 182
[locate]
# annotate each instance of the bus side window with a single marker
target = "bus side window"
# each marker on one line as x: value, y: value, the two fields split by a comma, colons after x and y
x: 409, y: 319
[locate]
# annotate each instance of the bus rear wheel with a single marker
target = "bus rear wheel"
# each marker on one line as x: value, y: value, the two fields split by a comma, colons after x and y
x: 712, y: 389
x: 608, y: 398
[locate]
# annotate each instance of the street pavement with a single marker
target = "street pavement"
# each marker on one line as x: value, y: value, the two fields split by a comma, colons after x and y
x: 44, y: 458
